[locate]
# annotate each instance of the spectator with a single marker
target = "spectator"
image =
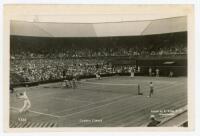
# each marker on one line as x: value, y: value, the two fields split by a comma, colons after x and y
x: 153, y: 122
x: 157, y: 72
x: 171, y: 74
x: 150, y: 71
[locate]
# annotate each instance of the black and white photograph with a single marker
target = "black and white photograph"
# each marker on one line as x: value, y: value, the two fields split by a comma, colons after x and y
x: 98, y: 70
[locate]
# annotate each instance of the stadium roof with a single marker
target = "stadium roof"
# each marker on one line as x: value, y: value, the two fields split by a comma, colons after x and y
x: 40, y: 28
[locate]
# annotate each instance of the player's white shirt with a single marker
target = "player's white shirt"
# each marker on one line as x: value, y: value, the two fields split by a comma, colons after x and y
x: 27, y: 103
x: 138, y: 69
x: 151, y: 86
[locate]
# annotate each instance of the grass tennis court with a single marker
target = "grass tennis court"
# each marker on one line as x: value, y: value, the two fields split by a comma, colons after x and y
x: 109, y: 102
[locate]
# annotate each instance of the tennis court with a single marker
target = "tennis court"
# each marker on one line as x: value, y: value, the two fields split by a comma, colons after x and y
x: 110, y: 102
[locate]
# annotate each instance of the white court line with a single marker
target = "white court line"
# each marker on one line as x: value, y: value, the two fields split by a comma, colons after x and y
x: 109, y: 99
x: 108, y: 84
x: 95, y: 107
x: 65, y: 99
x: 110, y: 103
x: 50, y: 93
x: 136, y: 80
x: 46, y: 94
x: 174, y: 85
x: 88, y: 105
x: 91, y: 104
x: 37, y: 112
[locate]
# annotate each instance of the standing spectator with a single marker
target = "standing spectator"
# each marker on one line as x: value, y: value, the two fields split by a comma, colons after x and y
x: 150, y: 71
x: 138, y: 70
x: 171, y: 74
x: 157, y: 72
x: 132, y: 72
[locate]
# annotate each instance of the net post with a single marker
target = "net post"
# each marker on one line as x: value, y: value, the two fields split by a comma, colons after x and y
x: 138, y: 89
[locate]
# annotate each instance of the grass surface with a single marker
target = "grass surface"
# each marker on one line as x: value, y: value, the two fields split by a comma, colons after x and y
x: 109, y: 102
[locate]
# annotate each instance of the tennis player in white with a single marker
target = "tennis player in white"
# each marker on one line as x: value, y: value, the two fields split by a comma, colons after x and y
x: 132, y: 72
x: 27, y: 105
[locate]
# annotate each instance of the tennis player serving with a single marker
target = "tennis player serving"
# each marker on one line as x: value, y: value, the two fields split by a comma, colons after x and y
x: 27, y: 105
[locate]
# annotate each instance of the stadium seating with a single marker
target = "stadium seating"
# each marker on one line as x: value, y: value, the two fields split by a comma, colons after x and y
x: 37, y: 59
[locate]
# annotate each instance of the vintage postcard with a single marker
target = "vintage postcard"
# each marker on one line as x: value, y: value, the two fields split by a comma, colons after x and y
x: 98, y: 68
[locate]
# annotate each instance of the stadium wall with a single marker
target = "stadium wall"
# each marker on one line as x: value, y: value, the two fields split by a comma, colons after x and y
x: 43, y: 44
x: 177, y: 66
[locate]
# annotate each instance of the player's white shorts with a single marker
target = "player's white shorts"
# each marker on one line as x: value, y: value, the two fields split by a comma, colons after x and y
x: 98, y: 76
x: 132, y: 74
x: 26, y: 107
